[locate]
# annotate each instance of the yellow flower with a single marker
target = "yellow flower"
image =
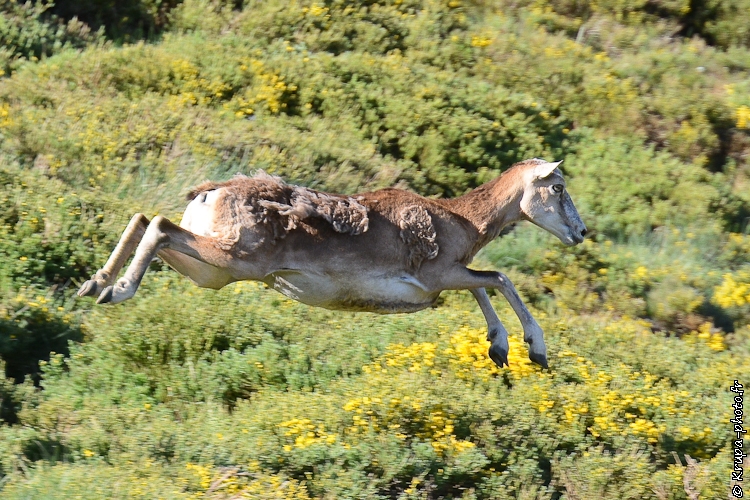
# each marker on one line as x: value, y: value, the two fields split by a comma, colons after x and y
x: 480, y: 41
x: 733, y: 292
x: 317, y: 10
x: 743, y: 116
x: 640, y: 272
x: 716, y: 342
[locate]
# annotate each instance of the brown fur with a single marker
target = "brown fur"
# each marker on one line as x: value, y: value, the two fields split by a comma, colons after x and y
x: 483, y: 206
x: 346, y: 215
x: 268, y: 201
x: 419, y: 234
x: 387, y: 251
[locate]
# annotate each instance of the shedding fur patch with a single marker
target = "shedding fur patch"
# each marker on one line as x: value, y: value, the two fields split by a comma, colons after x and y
x: 266, y: 201
x: 346, y: 215
x: 419, y: 234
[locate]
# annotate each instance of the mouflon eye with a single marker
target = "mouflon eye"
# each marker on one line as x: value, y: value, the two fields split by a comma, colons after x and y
x: 558, y: 188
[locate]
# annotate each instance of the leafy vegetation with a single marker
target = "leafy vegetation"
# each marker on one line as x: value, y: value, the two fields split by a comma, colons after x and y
x: 190, y: 393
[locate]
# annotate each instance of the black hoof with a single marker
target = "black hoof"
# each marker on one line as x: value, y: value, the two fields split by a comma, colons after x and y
x: 88, y: 288
x: 539, y: 359
x: 499, y: 355
x: 491, y: 334
x: 106, y: 295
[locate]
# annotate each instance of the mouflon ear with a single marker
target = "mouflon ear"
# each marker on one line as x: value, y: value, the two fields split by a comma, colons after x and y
x: 545, y: 169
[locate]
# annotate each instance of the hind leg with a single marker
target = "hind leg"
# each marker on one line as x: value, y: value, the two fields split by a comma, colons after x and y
x: 202, y: 274
x: 129, y: 240
x: 161, y: 235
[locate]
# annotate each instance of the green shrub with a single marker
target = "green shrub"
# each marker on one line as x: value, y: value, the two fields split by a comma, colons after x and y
x: 189, y: 393
x: 30, y: 30
x: 120, y: 21
x: 50, y: 235
x: 600, y: 169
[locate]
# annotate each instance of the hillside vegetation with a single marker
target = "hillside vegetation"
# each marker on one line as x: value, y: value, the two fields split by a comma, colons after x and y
x: 189, y: 393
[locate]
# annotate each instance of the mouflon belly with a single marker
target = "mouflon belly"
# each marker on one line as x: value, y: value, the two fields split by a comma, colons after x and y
x: 378, y: 294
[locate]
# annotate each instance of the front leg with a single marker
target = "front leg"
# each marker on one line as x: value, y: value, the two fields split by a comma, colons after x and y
x: 462, y: 278
x: 496, y: 332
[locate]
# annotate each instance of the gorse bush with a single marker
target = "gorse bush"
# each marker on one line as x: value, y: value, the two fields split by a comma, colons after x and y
x: 425, y: 415
x: 108, y: 109
x: 121, y: 21
x: 49, y: 233
x: 261, y: 76
x: 30, y: 30
x: 716, y: 22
